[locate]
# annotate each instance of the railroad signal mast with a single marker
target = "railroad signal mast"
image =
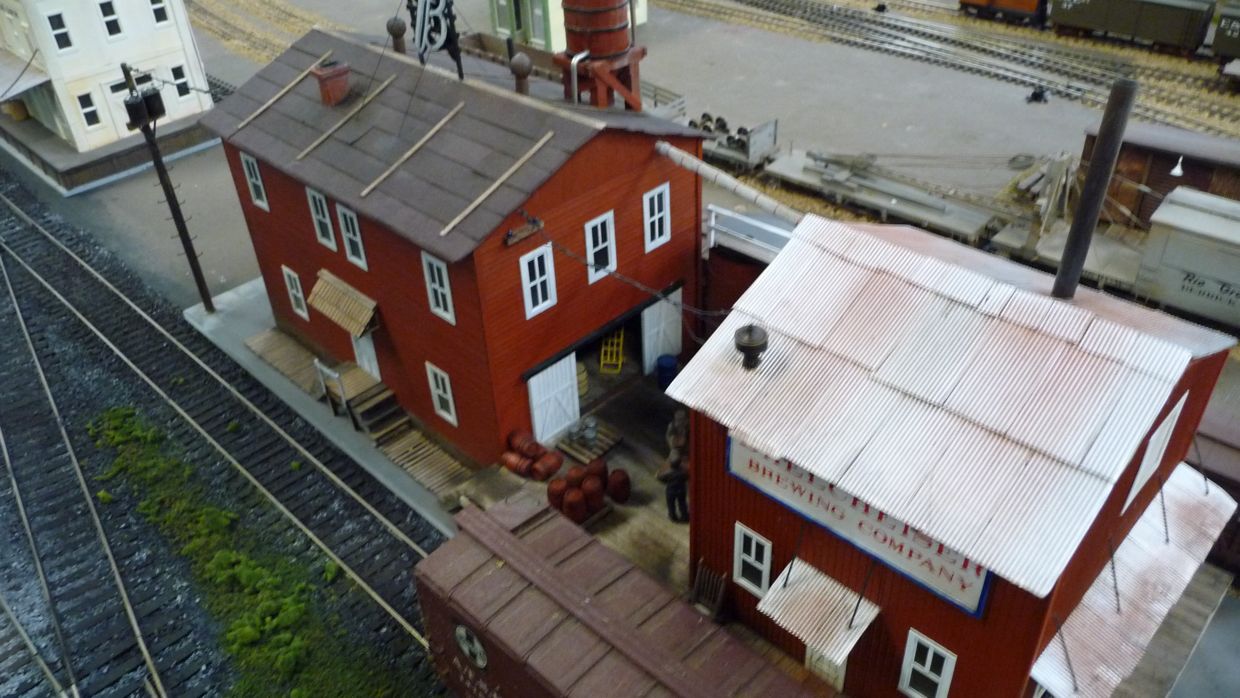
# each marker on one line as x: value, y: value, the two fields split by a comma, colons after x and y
x: 143, y: 109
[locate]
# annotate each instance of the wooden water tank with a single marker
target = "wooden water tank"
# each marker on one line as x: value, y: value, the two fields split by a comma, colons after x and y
x: 598, y: 26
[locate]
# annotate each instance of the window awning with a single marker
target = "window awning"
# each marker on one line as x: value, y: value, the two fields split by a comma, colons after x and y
x: 342, y: 304
x: 11, y: 67
x: 818, y: 610
x: 1103, y: 645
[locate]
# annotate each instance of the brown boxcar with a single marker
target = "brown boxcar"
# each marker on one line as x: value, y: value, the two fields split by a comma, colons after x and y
x: 524, y: 603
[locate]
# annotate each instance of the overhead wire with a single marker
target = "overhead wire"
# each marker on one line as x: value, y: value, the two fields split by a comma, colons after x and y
x: 26, y: 67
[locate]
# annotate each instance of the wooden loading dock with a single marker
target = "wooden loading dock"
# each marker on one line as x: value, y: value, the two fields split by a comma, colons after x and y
x: 524, y: 603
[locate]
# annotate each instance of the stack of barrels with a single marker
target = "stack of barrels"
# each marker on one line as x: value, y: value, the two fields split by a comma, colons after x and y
x: 583, y: 491
x: 528, y: 458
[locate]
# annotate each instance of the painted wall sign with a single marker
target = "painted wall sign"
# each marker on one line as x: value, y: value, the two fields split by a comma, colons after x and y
x: 944, y: 571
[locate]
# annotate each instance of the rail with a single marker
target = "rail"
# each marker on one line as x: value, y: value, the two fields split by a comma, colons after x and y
x: 102, y: 535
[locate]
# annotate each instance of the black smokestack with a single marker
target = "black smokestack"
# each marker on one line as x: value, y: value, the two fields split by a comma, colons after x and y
x: 1097, y: 180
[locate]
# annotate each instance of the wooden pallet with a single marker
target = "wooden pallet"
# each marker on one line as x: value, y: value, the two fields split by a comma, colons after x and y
x: 429, y: 464
x: 286, y: 355
x: 607, y: 439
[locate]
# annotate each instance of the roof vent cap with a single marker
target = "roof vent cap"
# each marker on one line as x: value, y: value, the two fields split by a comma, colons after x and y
x: 751, y: 342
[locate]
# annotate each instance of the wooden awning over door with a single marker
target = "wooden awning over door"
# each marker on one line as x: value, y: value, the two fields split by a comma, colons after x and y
x: 342, y: 304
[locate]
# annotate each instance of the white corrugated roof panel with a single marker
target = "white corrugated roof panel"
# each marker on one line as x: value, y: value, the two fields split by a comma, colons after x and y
x: 1104, y: 645
x: 818, y: 610
x: 992, y: 418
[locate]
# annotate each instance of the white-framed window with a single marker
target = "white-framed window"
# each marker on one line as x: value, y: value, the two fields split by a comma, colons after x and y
x: 111, y: 22
x: 751, y: 560
x: 296, y: 297
x: 140, y: 80
x: 441, y: 393
x: 258, y: 194
x: 180, y: 80
x: 322, y: 219
x: 601, y: 246
x: 60, y: 31
x: 656, y: 208
x: 159, y: 8
x: 928, y: 668
x: 90, y: 113
x: 351, y: 231
x: 538, y: 280
x: 438, y: 289
x: 503, y: 18
x: 538, y: 23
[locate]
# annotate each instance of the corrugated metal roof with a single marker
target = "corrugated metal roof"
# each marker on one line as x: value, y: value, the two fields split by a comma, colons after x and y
x: 1104, y: 646
x: 19, y: 74
x: 818, y: 610
x: 342, y: 304
x: 992, y: 418
x: 1177, y: 141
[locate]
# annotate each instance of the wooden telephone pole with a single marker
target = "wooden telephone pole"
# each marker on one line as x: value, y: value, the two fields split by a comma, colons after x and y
x: 143, y: 109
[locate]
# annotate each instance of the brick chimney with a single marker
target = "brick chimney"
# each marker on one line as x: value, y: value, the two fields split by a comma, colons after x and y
x: 333, y: 80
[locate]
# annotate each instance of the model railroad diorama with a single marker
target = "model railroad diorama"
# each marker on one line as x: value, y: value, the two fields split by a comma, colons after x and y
x: 501, y: 340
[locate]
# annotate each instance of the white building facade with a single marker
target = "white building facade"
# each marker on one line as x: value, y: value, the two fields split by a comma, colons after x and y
x: 78, y: 47
x: 540, y: 23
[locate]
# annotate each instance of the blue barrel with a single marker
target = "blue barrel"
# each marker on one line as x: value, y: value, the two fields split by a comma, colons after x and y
x: 665, y: 368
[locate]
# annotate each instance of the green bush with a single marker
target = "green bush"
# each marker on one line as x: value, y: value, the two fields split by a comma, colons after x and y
x: 271, y: 609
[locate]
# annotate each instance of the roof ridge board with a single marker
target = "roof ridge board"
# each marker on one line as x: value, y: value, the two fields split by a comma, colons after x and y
x: 475, y: 83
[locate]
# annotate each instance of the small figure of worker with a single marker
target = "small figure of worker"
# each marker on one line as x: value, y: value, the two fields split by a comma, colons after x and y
x: 675, y: 479
x: 678, y: 432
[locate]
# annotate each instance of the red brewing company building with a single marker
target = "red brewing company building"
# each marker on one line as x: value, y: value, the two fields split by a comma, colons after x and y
x: 457, y: 240
x: 938, y: 479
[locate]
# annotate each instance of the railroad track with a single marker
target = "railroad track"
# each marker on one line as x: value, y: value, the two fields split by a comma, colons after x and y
x: 24, y: 673
x: 105, y: 646
x: 230, y: 421
x: 951, y: 46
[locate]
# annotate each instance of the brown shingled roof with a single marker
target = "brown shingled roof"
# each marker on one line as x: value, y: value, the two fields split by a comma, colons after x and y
x: 448, y: 176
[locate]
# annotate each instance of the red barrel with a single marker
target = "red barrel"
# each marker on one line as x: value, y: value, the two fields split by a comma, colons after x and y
x: 575, y: 475
x: 598, y: 26
x: 597, y: 468
x: 555, y: 492
x: 575, y: 506
x: 593, y: 489
x: 523, y: 442
x: 548, y: 465
x: 512, y: 460
x: 618, y: 486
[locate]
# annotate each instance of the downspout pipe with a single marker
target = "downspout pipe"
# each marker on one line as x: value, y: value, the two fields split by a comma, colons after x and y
x: 1094, y: 192
x: 719, y: 178
x: 575, y: 98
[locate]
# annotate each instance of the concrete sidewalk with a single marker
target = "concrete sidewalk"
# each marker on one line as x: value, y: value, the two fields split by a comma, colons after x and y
x: 244, y: 312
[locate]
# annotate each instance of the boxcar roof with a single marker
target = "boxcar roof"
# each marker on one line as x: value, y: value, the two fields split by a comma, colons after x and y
x: 945, y: 387
x: 482, y: 164
x: 587, y: 621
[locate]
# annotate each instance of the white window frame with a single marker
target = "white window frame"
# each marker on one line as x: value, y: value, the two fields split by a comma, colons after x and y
x: 92, y: 109
x: 56, y: 32
x: 441, y: 390
x: 351, y: 232
x: 942, y: 679
x: 296, y: 294
x: 438, y: 295
x: 662, y: 193
x: 184, y: 91
x: 528, y: 282
x: 156, y: 6
x: 538, y: 23
x: 608, y: 222
x: 739, y: 558
x: 114, y: 17
x: 322, y: 220
x: 503, y: 17
x: 254, y: 177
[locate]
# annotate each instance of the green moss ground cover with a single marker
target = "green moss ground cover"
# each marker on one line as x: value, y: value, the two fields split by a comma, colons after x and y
x: 275, y: 611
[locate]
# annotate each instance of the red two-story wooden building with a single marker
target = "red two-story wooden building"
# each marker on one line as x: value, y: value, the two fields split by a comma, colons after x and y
x: 462, y: 240
x: 940, y: 479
